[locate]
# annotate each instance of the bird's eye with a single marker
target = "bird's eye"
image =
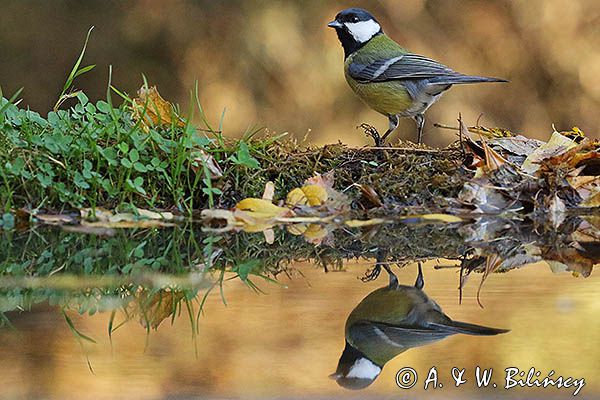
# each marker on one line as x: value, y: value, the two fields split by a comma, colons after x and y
x: 354, y: 19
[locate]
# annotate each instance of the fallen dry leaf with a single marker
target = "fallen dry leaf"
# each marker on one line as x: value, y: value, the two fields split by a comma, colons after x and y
x: 518, y: 145
x: 315, y: 233
x: 557, y: 145
x: 440, y: 217
x: 269, y: 191
x: 164, y: 215
x: 593, y: 200
x: 269, y: 235
x: 491, y: 133
x: 482, y: 195
x: 102, y: 218
x: 262, y: 209
x: 154, y: 309
x: 297, y: 229
x: 310, y: 195
x: 201, y: 158
x: 257, y: 215
x: 55, y: 219
x: 557, y: 211
x: 152, y: 110
x: 493, y: 160
x: 325, y: 180
x: 370, y: 195
x: 357, y: 223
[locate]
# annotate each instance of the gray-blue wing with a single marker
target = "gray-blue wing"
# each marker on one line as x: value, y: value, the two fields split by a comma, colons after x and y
x: 411, y: 67
x: 402, y: 337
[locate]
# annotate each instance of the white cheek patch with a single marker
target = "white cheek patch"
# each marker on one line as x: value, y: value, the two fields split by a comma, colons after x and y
x: 364, y: 30
x: 363, y: 369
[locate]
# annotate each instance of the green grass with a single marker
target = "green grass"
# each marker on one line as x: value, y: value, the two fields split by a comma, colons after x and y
x: 94, y: 154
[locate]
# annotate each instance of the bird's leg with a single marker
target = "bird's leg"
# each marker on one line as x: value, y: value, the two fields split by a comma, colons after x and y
x: 393, y: 278
x: 420, y: 120
x: 394, y: 121
x: 381, y: 262
x: 420, y: 281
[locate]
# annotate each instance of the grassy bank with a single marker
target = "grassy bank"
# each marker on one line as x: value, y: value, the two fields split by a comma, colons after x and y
x: 96, y: 154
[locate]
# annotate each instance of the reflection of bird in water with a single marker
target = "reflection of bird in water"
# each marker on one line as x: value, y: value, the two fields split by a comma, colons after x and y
x: 389, y: 321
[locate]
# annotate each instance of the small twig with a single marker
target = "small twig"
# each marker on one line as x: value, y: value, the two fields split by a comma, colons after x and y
x: 460, y: 136
x: 441, y: 126
x: 406, y: 149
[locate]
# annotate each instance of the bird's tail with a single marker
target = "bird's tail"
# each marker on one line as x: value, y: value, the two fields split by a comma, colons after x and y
x: 469, y: 329
x: 459, y: 79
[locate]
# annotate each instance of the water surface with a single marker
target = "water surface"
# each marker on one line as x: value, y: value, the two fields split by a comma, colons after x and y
x: 280, y: 341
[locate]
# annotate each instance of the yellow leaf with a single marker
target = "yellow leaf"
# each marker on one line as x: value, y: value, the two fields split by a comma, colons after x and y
x: 491, y: 133
x: 296, y: 197
x: 441, y: 217
x: 357, y: 223
x: 155, y: 308
x: 261, y: 209
x: 575, y: 134
x: 312, y: 195
x: 152, y: 110
x: 315, y: 233
x: 297, y: 229
x: 315, y: 194
x: 257, y: 215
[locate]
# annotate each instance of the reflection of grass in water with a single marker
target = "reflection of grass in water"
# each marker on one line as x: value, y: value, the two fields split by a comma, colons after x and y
x: 5, y: 322
x: 149, y: 306
x: 80, y: 338
x: 182, y: 253
x: 163, y: 269
x: 158, y: 274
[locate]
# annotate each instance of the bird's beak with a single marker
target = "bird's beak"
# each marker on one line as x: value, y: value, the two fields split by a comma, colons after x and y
x: 334, y: 24
x: 335, y: 376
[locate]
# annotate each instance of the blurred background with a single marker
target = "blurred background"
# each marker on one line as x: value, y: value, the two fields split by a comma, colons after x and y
x: 275, y: 64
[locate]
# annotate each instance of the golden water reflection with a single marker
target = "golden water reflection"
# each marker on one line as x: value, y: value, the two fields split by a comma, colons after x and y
x: 286, y: 342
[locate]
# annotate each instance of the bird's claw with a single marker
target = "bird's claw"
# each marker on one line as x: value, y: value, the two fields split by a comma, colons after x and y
x: 371, y: 132
x: 371, y: 274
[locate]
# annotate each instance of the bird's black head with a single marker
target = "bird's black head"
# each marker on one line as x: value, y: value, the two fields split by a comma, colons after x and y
x: 355, y: 371
x: 355, y: 27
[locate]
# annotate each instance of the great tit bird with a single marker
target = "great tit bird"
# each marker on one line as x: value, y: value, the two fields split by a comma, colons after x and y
x: 388, y: 78
x: 389, y: 321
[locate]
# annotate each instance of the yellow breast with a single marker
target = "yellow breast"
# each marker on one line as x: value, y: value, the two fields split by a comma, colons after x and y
x: 387, y: 98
